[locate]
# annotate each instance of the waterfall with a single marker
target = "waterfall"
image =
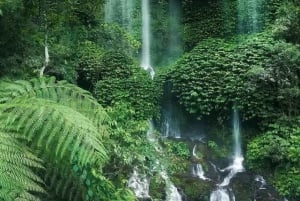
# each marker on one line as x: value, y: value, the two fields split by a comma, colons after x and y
x: 175, y: 43
x: 119, y: 12
x: 47, y: 58
x: 197, y: 169
x: 237, y: 165
x: 170, y: 126
x: 172, y: 193
x: 146, y: 57
x: 250, y: 16
x: 236, y: 134
x: 262, y: 182
x: 139, y: 184
x: 222, y: 194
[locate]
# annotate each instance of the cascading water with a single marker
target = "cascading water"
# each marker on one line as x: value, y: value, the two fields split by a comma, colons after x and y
x: 262, y: 182
x: 221, y: 193
x: 197, y: 169
x: 172, y: 193
x: 47, y: 58
x: 139, y: 184
x: 146, y: 57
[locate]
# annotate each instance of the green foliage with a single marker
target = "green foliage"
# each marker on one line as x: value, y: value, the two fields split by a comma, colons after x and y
x: 17, y: 180
x: 278, y: 151
x: 258, y: 74
x: 60, y: 123
x: 179, y: 149
x: 287, y: 25
x: 204, y: 19
x: 122, y: 81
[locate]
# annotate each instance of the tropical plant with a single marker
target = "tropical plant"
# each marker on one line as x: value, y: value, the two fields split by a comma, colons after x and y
x: 46, y: 127
x: 277, y: 151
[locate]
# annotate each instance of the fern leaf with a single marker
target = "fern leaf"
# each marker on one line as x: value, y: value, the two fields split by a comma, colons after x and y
x: 61, y: 92
x: 66, y: 128
x: 17, y: 177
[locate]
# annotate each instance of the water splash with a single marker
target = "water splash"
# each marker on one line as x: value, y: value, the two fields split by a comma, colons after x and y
x: 197, y: 171
x: 237, y: 165
x: 172, y: 193
x: 222, y: 194
x: 262, y: 182
x: 234, y: 168
x: 146, y: 56
x: 139, y: 184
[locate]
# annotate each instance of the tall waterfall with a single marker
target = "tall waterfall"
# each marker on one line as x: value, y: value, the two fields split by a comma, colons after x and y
x: 175, y: 44
x: 119, y: 12
x: 250, y: 16
x: 146, y: 56
x: 236, y: 134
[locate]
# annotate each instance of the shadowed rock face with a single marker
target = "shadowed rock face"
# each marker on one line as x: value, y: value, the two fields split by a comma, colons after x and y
x: 247, y: 187
x: 145, y: 199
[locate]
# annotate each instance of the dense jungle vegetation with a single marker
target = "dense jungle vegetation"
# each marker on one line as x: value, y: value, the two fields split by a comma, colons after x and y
x: 74, y: 127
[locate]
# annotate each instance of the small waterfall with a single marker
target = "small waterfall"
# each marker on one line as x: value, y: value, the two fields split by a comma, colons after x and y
x: 139, y: 184
x: 197, y: 169
x: 222, y: 194
x: 234, y: 168
x: 172, y: 193
x: 237, y: 165
x: 47, y: 58
x: 262, y: 182
x: 146, y: 57
x: 170, y: 127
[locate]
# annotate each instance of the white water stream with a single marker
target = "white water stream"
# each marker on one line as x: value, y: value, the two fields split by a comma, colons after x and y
x: 222, y: 191
x: 146, y: 56
x: 139, y: 184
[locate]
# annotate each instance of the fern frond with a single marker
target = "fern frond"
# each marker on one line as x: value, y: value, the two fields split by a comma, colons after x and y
x: 17, y: 180
x: 60, y: 92
x: 62, y: 131
x: 64, y: 183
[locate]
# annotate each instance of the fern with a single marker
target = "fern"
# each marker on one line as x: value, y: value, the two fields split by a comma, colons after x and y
x: 17, y: 179
x: 60, y: 92
x: 54, y: 127
x: 61, y: 123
